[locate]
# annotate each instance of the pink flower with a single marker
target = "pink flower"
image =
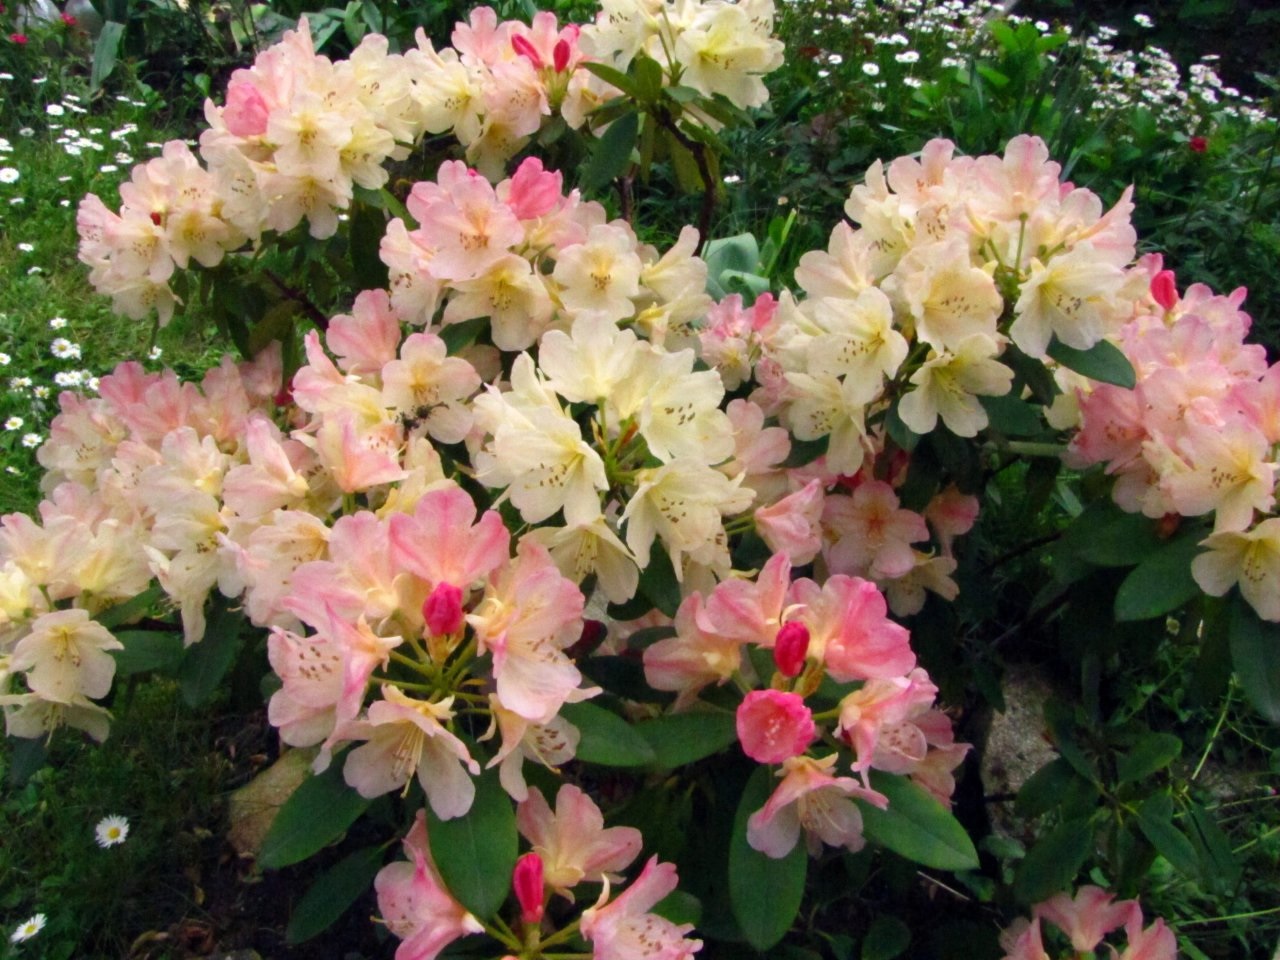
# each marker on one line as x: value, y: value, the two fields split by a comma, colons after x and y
x: 773, y: 725
x: 1156, y: 942
x: 1164, y: 290
x: 442, y: 610
x: 1198, y: 144
x: 19, y: 38
x: 415, y: 904
x: 810, y: 798
x: 1089, y: 916
x: 790, y: 648
x: 850, y: 631
x: 791, y: 525
x: 526, y: 881
x: 573, y: 843
x: 625, y: 930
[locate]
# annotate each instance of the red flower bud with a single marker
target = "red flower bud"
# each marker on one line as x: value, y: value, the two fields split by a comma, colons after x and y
x: 524, y: 48
x: 443, y: 610
x: 19, y: 38
x: 1163, y: 290
x: 560, y: 55
x: 69, y: 20
x: 790, y: 648
x: 526, y: 879
x: 1198, y: 144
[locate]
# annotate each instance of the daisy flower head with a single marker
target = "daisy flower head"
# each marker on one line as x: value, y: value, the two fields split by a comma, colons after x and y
x: 111, y: 831
x: 28, y: 929
x: 64, y: 349
x: 14, y: 423
x: 32, y: 440
x: 9, y: 175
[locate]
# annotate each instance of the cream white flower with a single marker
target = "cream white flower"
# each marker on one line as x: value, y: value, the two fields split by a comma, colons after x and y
x: 111, y: 831
x: 28, y: 929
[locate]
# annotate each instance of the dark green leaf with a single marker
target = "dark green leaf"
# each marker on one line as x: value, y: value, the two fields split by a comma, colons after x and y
x: 1044, y: 789
x: 1153, y: 752
x: 26, y: 756
x: 1030, y: 372
x: 612, y: 152
x: 1122, y: 540
x: 1218, y: 861
x: 1155, y: 820
x: 898, y: 431
x: 678, y: 906
x: 1161, y: 583
x: 368, y: 224
x: 1102, y: 362
x: 1255, y: 654
x: 917, y: 826
x: 207, y: 661
x: 318, y: 813
x: 765, y: 893
x: 685, y: 737
x: 658, y: 583
x: 457, y: 336
x: 476, y: 852
x: 1012, y: 417
x: 131, y: 609
x: 147, y: 650
x: 886, y: 938
x: 1052, y: 864
x: 607, y: 739
x: 1061, y: 722
x: 332, y: 894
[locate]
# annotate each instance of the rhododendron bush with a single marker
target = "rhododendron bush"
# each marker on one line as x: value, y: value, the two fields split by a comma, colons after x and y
x: 538, y: 532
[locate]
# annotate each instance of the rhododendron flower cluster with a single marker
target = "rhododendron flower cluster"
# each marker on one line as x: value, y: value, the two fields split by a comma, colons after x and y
x: 1085, y: 920
x: 841, y: 631
x: 1198, y: 433
x: 300, y: 133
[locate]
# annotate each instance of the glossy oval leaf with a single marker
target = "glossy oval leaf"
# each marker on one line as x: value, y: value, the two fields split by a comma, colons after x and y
x: 207, y: 661
x: 917, y: 826
x: 612, y: 154
x: 147, y: 650
x: 1052, y: 864
x: 1161, y: 583
x: 1255, y: 654
x: 318, y: 813
x: 1102, y: 362
x: 607, y: 739
x: 686, y: 737
x: 333, y: 894
x: 765, y: 893
x: 475, y: 853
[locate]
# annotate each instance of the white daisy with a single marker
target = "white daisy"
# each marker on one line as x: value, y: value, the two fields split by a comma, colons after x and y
x: 28, y: 929
x: 111, y: 831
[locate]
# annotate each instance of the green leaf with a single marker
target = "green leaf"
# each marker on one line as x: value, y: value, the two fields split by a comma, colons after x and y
x: 147, y: 650
x: 1012, y: 417
x: 207, y: 661
x: 886, y: 938
x: 1052, y: 864
x: 658, y: 583
x: 917, y: 826
x: 736, y: 254
x: 679, y: 906
x: 648, y: 75
x: 105, y: 52
x: 764, y: 893
x: 1162, y: 582
x: 1044, y: 789
x: 1116, y: 538
x: 612, y: 152
x: 1155, y: 820
x: 1153, y: 752
x: 318, y: 813
x: 685, y: 737
x: 1102, y: 362
x: 368, y: 225
x: 1218, y: 863
x: 607, y: 739
x: 332, y: 894
x: 613, y: 77
x: 476, y: 852
x: 1255, y: 654
x: 131, y: 609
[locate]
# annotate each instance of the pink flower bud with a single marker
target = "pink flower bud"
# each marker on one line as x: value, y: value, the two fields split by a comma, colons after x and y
x: 443, y: 610
x: 560, y: 55
x: 1198, y: 144
x: 526, y: 879
x: 1163, y: 290
x: 774, y: 726
x: 524, y: 48
x: 791, y: 647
